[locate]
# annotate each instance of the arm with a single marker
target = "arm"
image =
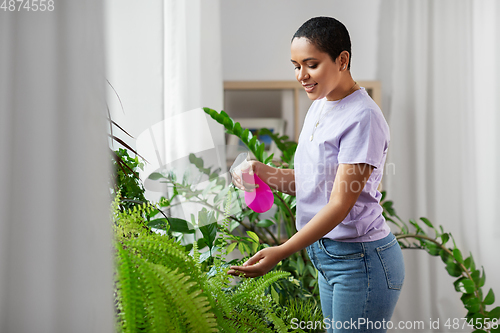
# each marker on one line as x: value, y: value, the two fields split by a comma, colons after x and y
x: 282, y: 180
x: 342, y: 199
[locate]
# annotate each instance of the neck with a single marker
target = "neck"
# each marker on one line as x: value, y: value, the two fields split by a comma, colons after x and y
x: 344, y: 89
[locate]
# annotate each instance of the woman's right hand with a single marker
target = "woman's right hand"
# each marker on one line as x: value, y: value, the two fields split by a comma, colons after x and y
x: 238, y: 179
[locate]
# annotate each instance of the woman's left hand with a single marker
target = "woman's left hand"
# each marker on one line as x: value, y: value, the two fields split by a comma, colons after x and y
x: 261, y: 263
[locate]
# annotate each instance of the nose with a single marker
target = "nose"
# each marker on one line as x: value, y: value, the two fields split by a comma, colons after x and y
x: 302, y: 74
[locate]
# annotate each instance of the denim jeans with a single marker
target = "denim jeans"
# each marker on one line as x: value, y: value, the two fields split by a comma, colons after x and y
x: 359, y: 283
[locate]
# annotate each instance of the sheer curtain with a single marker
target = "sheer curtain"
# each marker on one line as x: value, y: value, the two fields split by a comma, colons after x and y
x: 55, y: 252
x: 438, y: 64
x: 192, y: 77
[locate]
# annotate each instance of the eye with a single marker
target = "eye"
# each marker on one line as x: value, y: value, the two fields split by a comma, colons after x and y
x: 296, y: 67
x: 313, y: 66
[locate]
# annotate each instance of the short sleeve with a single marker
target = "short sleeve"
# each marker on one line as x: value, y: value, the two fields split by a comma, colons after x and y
x: 365, y: 139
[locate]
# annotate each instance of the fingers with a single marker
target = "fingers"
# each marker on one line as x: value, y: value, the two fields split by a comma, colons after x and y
x: 249, y: 271
x: 242, y: 185
x: 250, y: 268
x: 253, y: 260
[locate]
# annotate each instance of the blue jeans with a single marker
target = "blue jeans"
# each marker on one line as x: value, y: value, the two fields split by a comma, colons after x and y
x: 359, y: 283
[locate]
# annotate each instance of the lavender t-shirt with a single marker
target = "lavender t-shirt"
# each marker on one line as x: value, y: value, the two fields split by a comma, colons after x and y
x: 353, y: 131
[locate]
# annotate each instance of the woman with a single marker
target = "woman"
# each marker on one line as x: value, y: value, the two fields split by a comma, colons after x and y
x: 338, y: 166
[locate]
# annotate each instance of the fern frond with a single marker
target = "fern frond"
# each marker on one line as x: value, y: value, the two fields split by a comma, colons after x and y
x: 131, y: 312
x: 253, y: 287
x: 196, y: 255
x: 165, y: 251
x: 196, y: 308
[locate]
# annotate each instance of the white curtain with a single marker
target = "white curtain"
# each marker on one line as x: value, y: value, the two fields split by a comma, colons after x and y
x: 193, y: 69
x: 438, y: 61
x: 55, y: 248
x: 192, y: 76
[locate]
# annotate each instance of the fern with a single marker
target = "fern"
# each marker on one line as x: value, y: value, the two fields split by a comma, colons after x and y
x: 161, y: 288
x: 195, y: 307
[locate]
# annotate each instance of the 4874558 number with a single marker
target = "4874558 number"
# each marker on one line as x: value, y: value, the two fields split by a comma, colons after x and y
x: 27, y: 5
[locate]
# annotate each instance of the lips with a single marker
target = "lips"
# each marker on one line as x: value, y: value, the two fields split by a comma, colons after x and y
x: 309, y: 87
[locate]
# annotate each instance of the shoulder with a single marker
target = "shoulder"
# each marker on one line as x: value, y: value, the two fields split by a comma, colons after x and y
x: 363, y: 118
x: 362, y: 108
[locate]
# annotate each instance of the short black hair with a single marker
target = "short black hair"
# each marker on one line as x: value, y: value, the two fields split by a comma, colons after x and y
x: 328, y: 35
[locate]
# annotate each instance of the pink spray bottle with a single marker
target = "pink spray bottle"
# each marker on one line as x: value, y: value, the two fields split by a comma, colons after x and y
x: 259, y: 200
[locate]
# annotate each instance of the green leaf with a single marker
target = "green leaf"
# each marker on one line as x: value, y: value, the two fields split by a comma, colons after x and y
x: 158, y: 223
x: 253, y: 236
x: 269, y: 158
x: 444, y: 238
x: 427, y: 222
x: 237, y: 129
x: 453, y: 269
x: 473, y: 304
x: 465, y: 286
x: 275, y: 295
x: 231, y: 247
x: 155, y: 176
x: 446, y: 257
x: 417, y: 227
x: 469, y: 263
x: 247, y: 248
x: 252, y: 142
x: 180, y: 225
x: 241, y: 248
x: 490, y: 298
x: 495, y: 313
x: 201, y: 243
x: 255, y: 247
x: 432, y: 248
x: 209, y: 232
x: 475, y: 275
x: 228, y: 123
x: 246, y: 136
x: 482, y: 280
x: 260, y: 151
x: 264, y: 223
x: 458, y: 256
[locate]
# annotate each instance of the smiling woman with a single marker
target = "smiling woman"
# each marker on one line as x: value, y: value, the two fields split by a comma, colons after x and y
x: 338, y: 165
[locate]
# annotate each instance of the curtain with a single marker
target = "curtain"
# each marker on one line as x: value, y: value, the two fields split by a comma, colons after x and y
x: 192, y: 77
x: 437, y: 62
x: 55, y: 249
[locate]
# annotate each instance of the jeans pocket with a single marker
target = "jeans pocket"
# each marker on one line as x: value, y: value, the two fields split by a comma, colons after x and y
x: 341, y: 251
x: 391, y: 257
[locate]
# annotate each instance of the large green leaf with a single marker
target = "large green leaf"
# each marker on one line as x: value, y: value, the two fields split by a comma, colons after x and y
x: 465, y: 286
x: 495, y: 313
x: 432, y: 248
x: 180, y: 225
x: 237, y: 129
x: 253, y: 236
x: 446, y: 257
x: 458, y: 256
x: 158, y: 223
x: 209, y: 232
x: 473, y: 304
x: 264, y: 223
x: 490, y: 298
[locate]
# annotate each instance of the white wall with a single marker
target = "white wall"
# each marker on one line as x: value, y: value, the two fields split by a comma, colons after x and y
x: 256, y: 35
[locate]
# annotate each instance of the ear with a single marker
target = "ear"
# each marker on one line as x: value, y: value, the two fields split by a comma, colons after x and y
x: 343, y: 59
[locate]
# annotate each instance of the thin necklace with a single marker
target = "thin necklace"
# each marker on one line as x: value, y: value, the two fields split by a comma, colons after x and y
x: 321, y: 115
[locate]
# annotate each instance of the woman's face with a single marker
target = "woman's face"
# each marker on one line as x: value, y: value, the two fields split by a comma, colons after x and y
x: 315, y: 70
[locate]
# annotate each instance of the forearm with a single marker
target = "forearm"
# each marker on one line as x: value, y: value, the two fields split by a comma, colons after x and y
x: 282, y: 180
x: 323, y: 222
